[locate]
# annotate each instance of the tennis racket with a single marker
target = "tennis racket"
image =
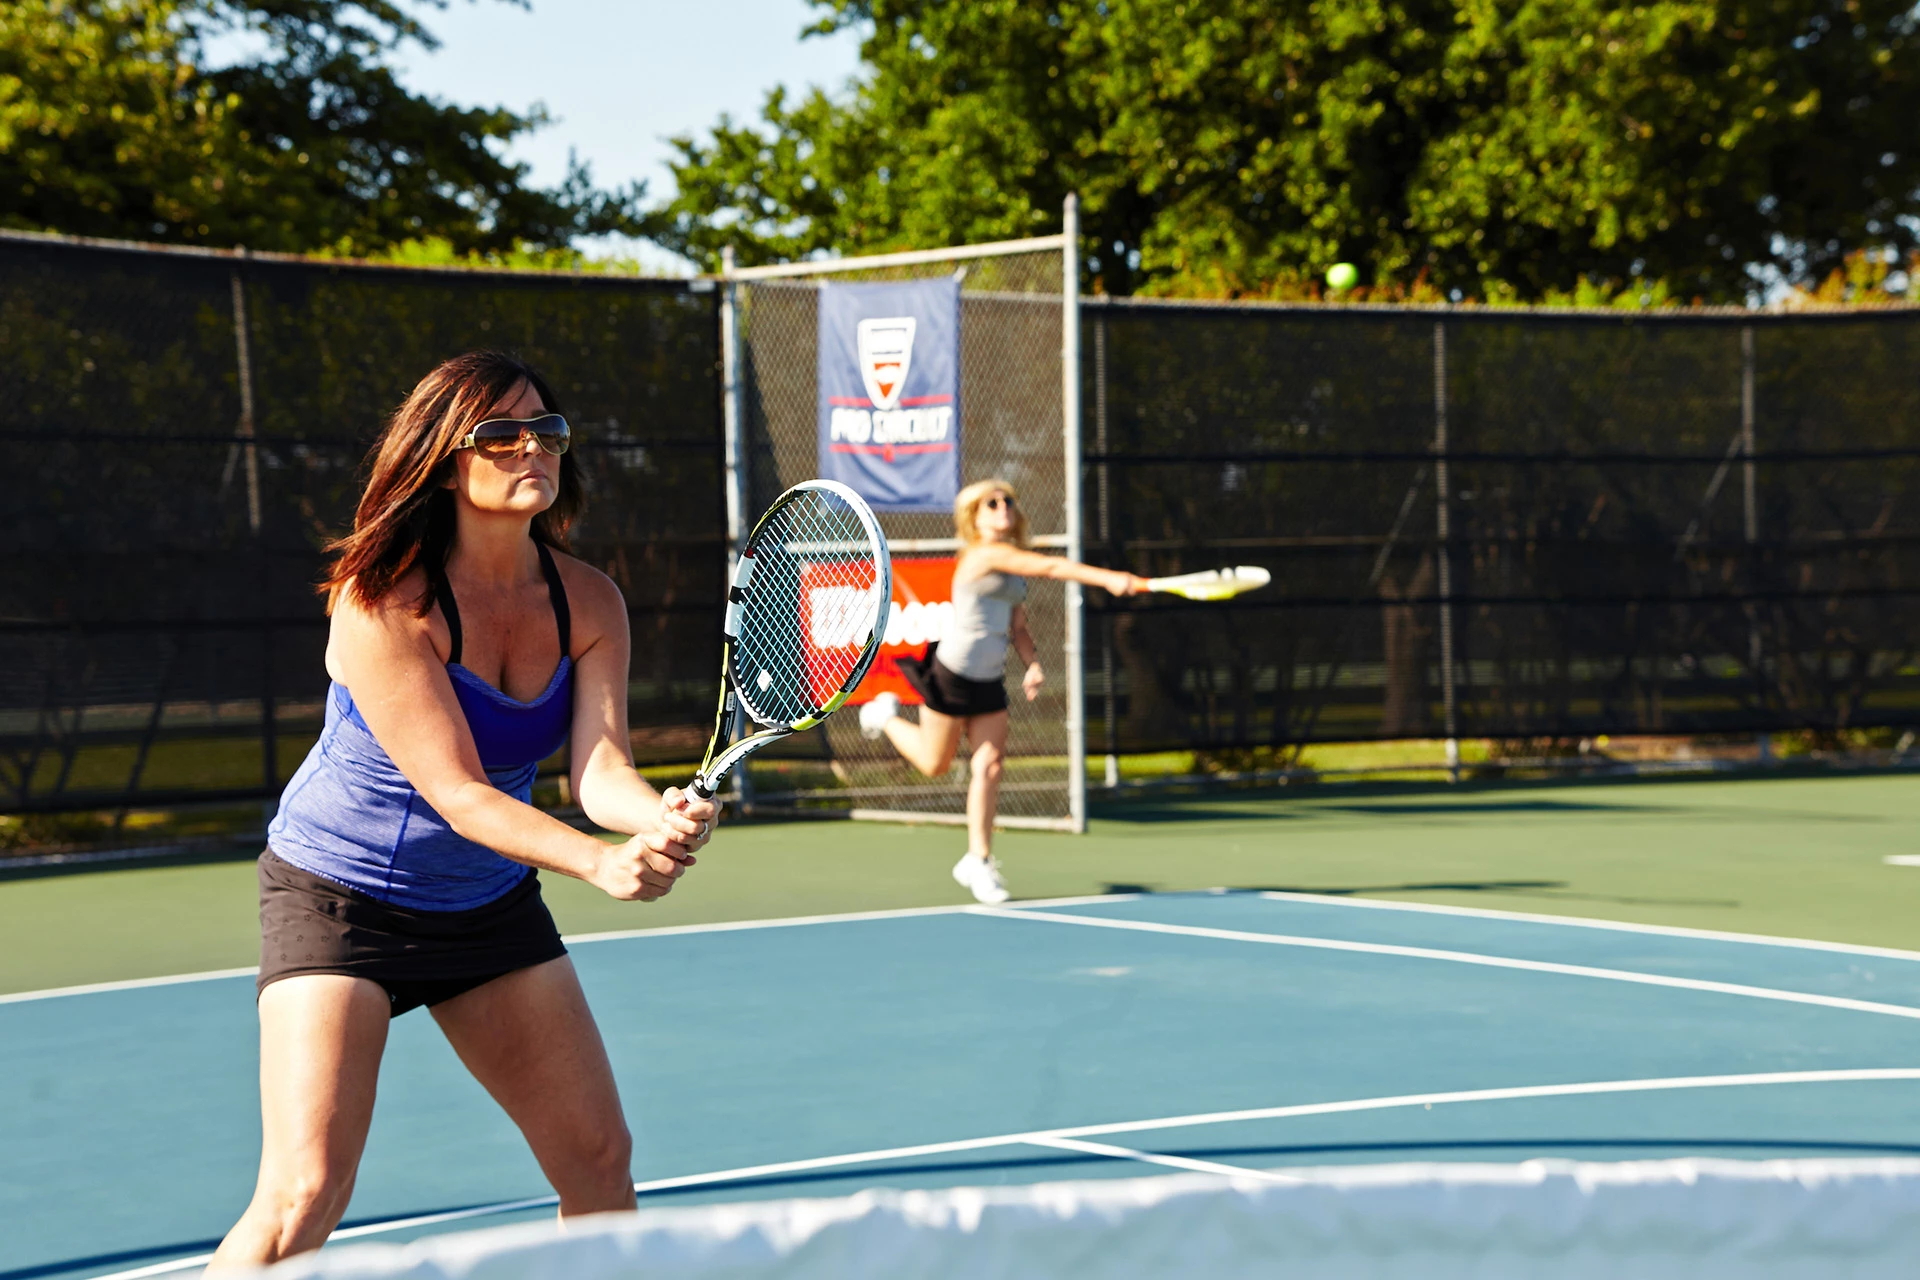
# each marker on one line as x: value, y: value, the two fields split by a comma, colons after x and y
x: 1213, y: 584
x: 805, y: 616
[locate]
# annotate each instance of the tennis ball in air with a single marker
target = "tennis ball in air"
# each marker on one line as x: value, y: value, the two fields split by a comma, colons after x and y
x: 1342, y: 276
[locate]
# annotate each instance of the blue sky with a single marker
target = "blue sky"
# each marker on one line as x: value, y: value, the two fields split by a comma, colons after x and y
x: 621, y: 76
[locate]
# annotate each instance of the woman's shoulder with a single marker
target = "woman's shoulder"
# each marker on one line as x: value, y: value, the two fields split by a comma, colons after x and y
x: 591, y: 594
x: 983, y: 558
x: 391, y: 624
x: 398, y: 608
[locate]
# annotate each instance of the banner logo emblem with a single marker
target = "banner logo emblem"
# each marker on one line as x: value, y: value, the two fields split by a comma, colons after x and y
x: 886, y: 353
x: 887, y: 391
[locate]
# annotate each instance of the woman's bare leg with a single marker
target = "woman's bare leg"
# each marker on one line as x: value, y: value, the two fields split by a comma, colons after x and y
x: 321, y: 1037
x: 928, y: 746
x: 988, y: 734
x: 529, y: 1038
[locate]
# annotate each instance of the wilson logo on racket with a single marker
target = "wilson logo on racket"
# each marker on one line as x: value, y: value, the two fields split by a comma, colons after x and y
x: 838, y: 617
x: 806, y: 611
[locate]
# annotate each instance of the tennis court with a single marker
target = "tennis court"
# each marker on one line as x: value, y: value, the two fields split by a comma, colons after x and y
x: 1244, y: 1026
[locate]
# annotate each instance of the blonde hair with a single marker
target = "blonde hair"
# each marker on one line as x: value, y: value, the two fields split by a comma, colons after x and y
x: 966, y: 511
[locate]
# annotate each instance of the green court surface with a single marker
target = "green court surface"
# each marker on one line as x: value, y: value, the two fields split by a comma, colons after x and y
x: 1799, y: 857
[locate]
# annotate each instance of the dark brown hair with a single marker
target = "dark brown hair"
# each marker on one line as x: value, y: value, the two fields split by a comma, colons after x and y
x: 405, y: 518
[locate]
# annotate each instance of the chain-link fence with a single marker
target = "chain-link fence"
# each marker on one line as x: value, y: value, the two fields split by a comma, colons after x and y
x: 1503, y: 524
x: 190, y: 428
x: 1011, y: 424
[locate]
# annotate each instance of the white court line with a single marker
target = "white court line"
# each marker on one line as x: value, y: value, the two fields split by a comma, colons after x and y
x: 783, y: 922
x: 1316, y: 899
x: 1582, y: 922
x: 664, y: 931
x: 130, y: 984
x: 1152, y: 1157
x: 1057, y: 1137
x: 1462, y: 957
x: 1277, y: 895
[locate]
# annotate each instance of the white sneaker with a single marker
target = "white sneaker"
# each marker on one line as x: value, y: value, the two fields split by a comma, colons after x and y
x: 874, y: 715
x: 981, y: 877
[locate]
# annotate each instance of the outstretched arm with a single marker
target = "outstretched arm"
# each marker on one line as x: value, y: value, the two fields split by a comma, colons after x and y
x: 1001, y: 558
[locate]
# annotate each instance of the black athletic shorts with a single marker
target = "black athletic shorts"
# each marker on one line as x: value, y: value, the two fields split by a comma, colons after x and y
x: 949, y: 692
x: 309, y: 924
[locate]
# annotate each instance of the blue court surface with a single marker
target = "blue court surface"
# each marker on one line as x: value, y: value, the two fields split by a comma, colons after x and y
x: 965, y: 1046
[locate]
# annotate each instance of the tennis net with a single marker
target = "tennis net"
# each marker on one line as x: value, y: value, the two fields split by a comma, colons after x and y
x: 1693, y: 1218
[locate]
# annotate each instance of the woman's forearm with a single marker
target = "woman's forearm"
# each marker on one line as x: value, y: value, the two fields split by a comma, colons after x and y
x: 616, y: 798
x: 1031, y: 564
x: 490, y: 817
x: 1115, y: 581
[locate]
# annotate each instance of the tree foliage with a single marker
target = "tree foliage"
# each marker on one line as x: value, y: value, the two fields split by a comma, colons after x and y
x: 114, y: 123
x: 1500, y: 149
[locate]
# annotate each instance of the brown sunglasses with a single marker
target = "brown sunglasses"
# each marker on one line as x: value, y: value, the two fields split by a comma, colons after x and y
x: 498, y: 438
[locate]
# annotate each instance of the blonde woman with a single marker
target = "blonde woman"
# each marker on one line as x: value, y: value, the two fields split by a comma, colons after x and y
x: 962, y: 678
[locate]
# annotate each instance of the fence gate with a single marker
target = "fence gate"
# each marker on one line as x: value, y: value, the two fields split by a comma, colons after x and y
x: 1019, y: 421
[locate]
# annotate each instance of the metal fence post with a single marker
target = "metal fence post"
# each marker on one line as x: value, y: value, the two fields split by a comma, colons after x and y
x: 733, y: 421
x: 1444, y: 555
x: 250, y: 460
x: 1070, y: 431
x: 250, y: 453
x: 1112, y: 774
x: 1751, y: 524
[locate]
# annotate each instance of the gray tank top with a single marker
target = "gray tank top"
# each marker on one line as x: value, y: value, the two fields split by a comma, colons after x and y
x: 975, y: 645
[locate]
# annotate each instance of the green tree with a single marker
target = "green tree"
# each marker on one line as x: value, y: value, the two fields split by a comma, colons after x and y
x: 114, y: 123
x: 1504, y: 149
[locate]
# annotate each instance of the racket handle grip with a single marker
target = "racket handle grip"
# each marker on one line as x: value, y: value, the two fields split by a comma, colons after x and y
x: 700, y: 788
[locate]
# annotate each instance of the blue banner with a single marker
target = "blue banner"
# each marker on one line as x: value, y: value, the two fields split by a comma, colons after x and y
x: 890, y: 391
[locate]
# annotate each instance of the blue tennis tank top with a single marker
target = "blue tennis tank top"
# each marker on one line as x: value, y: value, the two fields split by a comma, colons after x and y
x: 351, y: 817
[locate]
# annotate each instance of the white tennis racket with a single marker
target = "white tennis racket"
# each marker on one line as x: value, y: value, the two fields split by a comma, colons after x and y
x: 1213, y: 584
x: 805, y: 616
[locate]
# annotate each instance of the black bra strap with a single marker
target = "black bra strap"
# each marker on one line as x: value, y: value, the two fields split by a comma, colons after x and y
x: 557, y: 592
x: 443, y: 596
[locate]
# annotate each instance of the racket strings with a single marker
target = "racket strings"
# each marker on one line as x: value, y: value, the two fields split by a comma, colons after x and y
x: 809, y: 610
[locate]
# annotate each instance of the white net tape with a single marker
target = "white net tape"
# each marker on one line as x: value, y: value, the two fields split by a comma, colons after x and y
x: 1695, y: 1219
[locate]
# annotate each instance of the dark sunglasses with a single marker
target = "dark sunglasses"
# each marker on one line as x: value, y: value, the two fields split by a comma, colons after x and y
x: 503, y: 437
x: 998, y: 501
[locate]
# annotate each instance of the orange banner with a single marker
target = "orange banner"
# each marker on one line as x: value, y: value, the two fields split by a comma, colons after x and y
x: 922, y: 609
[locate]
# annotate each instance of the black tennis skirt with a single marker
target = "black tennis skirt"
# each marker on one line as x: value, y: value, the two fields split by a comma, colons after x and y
x: 949, y: 692
x: 309, y: 924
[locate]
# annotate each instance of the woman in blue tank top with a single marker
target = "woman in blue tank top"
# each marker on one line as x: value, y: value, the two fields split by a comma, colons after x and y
x: 466, y: 647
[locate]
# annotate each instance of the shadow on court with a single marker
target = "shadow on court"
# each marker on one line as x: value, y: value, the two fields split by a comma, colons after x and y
x: 1484, y: 797
x: 1308, y: 806
x: 1388, y: 809
x: 1555, y: 890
